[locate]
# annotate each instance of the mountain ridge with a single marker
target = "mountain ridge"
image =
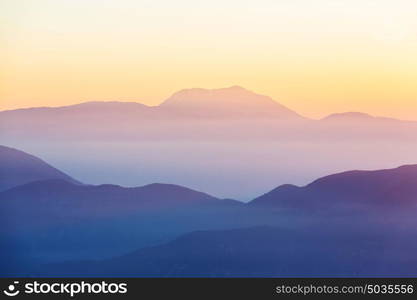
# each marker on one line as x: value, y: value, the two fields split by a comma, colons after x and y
x: 189, y: 99
x: 18, y: 167
x: 383, y: 186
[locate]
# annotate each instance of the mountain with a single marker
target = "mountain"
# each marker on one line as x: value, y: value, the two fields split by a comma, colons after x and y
x: 394, y: 188
x: 58, y: 198
x: 261, y: 252
x: 186, y: 114
x: 232, y: 102
x: 250, y: 137
x: 96, y: 118
x: 18, y: 167
x: 359, y: 117
x: 86, y: 108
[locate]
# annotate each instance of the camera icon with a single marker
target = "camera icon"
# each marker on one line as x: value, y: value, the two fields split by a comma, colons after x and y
x: 12, y: 290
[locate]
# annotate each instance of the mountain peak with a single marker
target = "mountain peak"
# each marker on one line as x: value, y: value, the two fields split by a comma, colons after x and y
x: 194, y: 95
x: 234, y: 101
x: 352, y: 115
x: 236, y: 87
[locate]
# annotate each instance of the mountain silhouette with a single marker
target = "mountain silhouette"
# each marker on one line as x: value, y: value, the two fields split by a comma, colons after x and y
x: 58, y: 198
x: 222, y: 103
x: 18, y: 167
x: 395, y: 188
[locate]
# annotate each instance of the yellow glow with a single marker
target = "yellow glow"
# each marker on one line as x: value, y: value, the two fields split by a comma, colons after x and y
x: 316, y: 57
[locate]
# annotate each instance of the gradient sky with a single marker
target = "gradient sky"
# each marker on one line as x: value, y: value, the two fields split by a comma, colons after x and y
x: 316, y: 57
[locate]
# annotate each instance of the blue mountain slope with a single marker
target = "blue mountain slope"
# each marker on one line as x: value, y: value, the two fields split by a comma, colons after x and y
x: 261, y: 252
x: 18, y: 167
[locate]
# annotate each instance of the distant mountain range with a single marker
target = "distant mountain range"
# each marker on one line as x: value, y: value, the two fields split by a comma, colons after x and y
x: 197, y: 133
x: 225, y: 103
x: 186, y: 114
x: 233, y: 102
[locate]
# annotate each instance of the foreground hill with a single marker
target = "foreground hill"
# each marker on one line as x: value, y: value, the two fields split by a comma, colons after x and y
x: 261, y: 252
x: 352, y: 224
x: 18, y: 167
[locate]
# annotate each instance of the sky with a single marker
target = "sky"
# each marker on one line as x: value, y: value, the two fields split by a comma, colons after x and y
x: 316, y: 57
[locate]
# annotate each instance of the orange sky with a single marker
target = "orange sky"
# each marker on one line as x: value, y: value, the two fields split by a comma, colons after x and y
x: 316, y: 57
